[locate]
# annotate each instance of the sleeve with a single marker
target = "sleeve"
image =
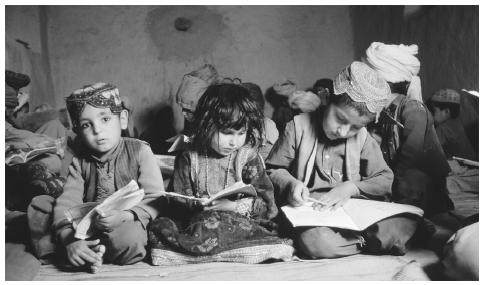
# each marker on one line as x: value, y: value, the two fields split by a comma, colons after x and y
x: 150, y: 179
x: 414, y: 118
x: 281, y: 159
x: 377, y: 177
x: 73, y: 192
x: 181, y: 179
x: 264, y: 205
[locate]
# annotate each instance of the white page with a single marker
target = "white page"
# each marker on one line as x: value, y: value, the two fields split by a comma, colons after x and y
x: 306, y: 216
x: 367, y: 212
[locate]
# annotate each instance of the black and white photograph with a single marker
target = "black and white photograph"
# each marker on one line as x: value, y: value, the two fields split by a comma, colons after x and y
x: 241, y: 142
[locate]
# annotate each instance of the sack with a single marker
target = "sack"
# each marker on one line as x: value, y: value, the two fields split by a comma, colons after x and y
x: 193, y: 86
x: 391, y: 235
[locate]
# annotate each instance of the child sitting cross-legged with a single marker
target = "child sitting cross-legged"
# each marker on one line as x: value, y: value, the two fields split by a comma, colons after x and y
x: 103, y: 163
x: 329, y: 156
x: 224, y: 150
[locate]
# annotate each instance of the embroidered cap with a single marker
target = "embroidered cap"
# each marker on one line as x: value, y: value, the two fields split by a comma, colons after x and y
x: 446, y: 96
x: 363, y: 84
x: 99, y: 95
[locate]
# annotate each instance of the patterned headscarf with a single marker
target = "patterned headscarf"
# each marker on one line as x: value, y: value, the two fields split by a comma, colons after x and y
x: 363, y: 84
x: 99, y: 95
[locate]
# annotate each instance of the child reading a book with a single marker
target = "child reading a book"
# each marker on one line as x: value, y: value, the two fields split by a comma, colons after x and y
x: 328, y: 155
x: 103, y: 163
x: 224, y: 151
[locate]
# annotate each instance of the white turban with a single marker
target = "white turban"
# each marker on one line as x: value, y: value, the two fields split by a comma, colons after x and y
x: 396, y: 63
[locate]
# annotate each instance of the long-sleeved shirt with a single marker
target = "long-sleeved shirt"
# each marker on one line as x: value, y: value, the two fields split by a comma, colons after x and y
x: 414, y: 147
x: 214, y: 173
x: 132, y: 159
x: 329, y: 165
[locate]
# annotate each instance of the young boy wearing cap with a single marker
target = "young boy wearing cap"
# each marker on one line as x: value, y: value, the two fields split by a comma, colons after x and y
x: 105, y: 161
x: 445, y: 107
x: 329, y: 155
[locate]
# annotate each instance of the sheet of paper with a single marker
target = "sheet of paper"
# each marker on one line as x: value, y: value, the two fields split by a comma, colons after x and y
x: 367, y: 212
x: 306, y: 216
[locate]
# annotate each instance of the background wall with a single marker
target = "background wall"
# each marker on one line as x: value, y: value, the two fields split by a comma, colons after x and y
x: 448, y: 41
x: 138, y: 49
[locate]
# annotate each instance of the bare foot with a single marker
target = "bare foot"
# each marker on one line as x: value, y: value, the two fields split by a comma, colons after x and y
x: 100, y: 250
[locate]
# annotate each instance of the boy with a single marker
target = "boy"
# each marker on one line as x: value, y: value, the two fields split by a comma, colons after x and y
x: 445, y: 107
x: 328, y: 155
x: 409, y: 141
x: 104, y: 162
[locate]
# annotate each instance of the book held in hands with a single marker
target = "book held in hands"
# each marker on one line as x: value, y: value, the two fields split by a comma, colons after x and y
x: 82, y: 216
x: 237, y: 188
x: 355, y: 214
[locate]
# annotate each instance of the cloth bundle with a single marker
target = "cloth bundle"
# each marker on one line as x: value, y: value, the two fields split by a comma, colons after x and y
x: 304, y: 101
x: 194, y: 84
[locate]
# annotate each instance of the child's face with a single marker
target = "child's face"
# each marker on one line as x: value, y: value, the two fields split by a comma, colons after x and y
x: 342, y: 122
x: 227, y: 141
x: 439, y: 116
x: 101, y: 129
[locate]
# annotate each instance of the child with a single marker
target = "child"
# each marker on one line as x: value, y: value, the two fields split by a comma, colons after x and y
x: 445, y: 107
x: 228, y: 130
x: 408, y: 139
x: 328, y: 155
x: 103, y: 163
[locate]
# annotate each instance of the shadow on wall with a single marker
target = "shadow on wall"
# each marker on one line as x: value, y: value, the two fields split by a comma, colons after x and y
x: 197, y: 40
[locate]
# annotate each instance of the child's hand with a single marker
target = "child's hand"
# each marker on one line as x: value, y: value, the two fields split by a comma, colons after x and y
x: 222, y: 205
x: 80, y: 252
x: 336, y: 197
x: 298, y: 194
x: 109, y: 220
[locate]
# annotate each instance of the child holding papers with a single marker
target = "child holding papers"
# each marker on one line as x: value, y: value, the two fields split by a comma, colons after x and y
x: 329, y: 149
x: 224, y: 152
x: 104, y: 163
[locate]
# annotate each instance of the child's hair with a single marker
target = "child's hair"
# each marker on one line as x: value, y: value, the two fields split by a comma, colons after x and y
x: 345, y: 100
x: 226, y: 106
x: 256, y: 93
x: 323, y: 83
x: 454, y: 108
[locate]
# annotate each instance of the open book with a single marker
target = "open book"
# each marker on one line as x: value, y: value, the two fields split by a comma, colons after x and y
x: 237, y: 188
x: 356, y: 214
x: 82, y: 216
x: 22, y: 156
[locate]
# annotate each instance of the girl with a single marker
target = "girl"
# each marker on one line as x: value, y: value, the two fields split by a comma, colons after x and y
x: 228, y: 130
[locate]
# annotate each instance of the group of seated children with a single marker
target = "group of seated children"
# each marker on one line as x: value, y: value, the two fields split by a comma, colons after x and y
x: 326, y: 154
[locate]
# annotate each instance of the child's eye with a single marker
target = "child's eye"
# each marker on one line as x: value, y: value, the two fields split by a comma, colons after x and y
x: 85, y: 125
x: 106, y: 119
x: 341, y: 119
